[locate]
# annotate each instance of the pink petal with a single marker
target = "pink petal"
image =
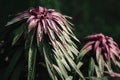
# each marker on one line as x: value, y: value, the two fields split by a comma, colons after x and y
x: 97, y: 43
x: 106, y: 47
x: 62, y: 25
x: 115, y: 52
x: 87, y: 49
x: 91, y: 36
x: 41, y: 9
x: 113, y: 46
x: 51, y: 34
x: 35, y: 10
x: 30, y: 18
x: 24, y: 14
x: 56, y: 14
x: 112, y: 42
x: 103, y: 41
x: 88, y: 44
x: 106, y: 55
x: 49, y: 23
x: 51, y: 10
x: 98, y: 52
x: 32, y: 24
x: 54, y: 26
x: 58, y: 20
x: 44, y: 26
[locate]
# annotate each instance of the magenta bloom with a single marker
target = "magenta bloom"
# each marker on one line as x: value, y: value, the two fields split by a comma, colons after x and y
x: 106, y: 50
x: 44, y: 20
x: 103, y: 44
x: 48, y: 22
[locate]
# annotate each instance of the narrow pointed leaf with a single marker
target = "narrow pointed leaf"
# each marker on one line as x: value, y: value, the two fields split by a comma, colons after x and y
x: 49, y: 65
x: 18, y: 32
x: 31, y: 63
x: 31, y: 51
x: 91, y: 67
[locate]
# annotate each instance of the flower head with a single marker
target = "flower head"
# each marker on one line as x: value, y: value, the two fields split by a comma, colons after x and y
x: 106, y: 51
x: 104, y: 45
x: 58, y: 45
x: 44, y: 20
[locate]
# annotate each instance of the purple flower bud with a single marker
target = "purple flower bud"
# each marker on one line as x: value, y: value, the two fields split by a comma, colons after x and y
x: 104, y: 44
x: 106, y: 51
x: 44, y: 20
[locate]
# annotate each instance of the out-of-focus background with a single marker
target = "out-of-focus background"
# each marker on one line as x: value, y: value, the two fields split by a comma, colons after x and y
x: 89, y: 16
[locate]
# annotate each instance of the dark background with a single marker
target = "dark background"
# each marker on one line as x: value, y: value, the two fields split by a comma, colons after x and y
x: 89, y: 16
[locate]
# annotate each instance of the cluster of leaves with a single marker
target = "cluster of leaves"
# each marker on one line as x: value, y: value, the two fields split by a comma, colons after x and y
x: 54, y: 44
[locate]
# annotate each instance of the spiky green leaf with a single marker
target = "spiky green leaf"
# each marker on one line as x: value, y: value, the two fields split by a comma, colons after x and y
x: 18, y: 32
